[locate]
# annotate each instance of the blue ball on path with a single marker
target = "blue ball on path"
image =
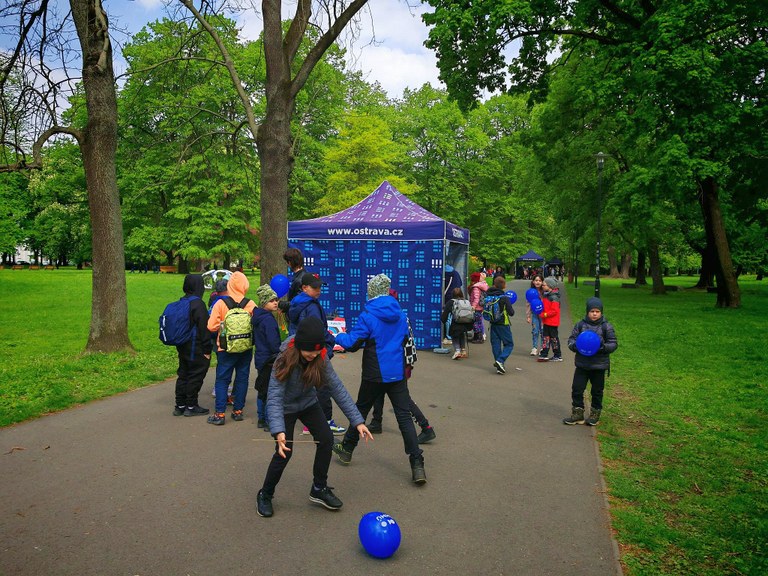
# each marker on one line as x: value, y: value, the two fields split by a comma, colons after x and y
x: 379, y: 534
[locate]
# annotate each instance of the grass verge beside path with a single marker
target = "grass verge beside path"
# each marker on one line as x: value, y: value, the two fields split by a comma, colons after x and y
x: 45, y: 322
x: 684, y: 434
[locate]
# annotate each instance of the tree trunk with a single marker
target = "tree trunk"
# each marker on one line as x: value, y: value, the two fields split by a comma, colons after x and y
x: 613, y: 263
x: 641, y: 266
x: 109, y: 310
x: 708, y: 265
x: 626, y: 264
x: 656, y: 277
x: 728, y: 292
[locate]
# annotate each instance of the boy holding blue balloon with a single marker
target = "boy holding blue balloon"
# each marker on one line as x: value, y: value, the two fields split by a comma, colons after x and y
x: 593, y: 339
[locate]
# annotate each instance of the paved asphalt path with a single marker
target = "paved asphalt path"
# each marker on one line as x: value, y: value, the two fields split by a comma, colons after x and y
x: 121, y: 487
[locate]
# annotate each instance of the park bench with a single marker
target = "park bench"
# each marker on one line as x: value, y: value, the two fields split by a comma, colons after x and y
x: 17, y: 267
x: 34, y: 267
x: 50, y: 267
x: 168, y: 269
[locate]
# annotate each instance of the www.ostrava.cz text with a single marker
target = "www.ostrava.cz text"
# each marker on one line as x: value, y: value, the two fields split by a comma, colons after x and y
x: 365, y: 231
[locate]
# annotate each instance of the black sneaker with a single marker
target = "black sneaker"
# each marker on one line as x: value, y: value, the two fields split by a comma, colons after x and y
x: 237, y: 415
x: 375, y: 427
x: 499, y: 367
x: 264, y: 504
x: 261, y: 423
x: 325, y: 497
x: 556, y: 359
x: 427, y: 435
x: 217, y: 419
x: 178, y: 410
x: 344, y: 455
x: 195, y: 411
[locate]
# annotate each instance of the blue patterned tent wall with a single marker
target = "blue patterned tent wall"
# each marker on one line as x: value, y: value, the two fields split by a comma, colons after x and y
x: 416, y: 270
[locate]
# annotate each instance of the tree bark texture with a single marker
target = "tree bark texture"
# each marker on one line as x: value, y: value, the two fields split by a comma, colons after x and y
x: 656, y: 277
x: 109, y: 311
x: 728, y: 292
x: 626, y: 264
x: 640, y: 274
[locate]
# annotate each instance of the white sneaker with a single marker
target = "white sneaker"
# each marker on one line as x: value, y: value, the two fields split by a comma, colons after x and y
x: 457, y: 355
x: 534, y: 351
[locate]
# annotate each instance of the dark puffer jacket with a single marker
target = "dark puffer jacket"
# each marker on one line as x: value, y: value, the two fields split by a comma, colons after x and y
x: 608, y: 344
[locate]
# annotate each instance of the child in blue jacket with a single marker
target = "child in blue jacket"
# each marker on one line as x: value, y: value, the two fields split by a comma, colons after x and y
x: 382, y: 329
x: 266, y: 341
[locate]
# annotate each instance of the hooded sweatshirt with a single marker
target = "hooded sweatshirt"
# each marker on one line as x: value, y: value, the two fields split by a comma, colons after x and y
x: 304, y: 305
x: 201, y: 344
x: 382, y: 328
x: 236, y: 288
x: 266, y: 337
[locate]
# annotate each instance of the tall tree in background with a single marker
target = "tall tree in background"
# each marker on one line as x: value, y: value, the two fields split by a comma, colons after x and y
x: 41, y: 58
x: 288, y: 67
x: 691, y: 74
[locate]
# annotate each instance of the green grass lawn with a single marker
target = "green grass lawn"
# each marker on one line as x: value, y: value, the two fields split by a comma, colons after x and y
x: 45, y: 321
x: 684, y: 434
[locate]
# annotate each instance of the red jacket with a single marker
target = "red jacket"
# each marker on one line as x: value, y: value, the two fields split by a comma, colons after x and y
x: 551, y: 314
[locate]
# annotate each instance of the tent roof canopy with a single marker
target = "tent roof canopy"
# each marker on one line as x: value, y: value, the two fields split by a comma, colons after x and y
x: 554, y: 260
x: 530, y: 256
x: 385, y: 214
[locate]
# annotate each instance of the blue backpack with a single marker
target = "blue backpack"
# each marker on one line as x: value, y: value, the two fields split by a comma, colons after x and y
x: 175, y: 323
x: 494, y: 310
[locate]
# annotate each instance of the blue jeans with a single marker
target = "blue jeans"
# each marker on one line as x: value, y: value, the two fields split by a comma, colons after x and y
x: 537, y: 335
x: 501, y: 342
x: 240, y: 363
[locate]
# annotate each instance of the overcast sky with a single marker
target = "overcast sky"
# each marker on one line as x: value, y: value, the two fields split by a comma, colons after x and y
x: 399, y: 60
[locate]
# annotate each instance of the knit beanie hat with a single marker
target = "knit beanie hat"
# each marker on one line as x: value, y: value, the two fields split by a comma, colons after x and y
x: 379, y: 286
x: 593, y: 303
x: 550, y: 281
x: 221, y: 285
x: 310, y: 335
x: 475, y: 277
x: 265, y: 294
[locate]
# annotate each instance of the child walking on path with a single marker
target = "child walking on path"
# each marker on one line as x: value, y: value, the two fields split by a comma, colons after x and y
x: 591, y: 368
x: 477, y: 291
x: 550, y: 318
x: 457, y: 329
x: 228, y: 362
x: 534, y: 319
x: 382, y: 329
x: 501, y: 334
x: 300, y: 370
x: 266, y: 340
x: 195, y: 354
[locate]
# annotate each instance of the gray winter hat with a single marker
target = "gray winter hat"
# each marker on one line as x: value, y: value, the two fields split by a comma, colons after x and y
x: 550, y: 281
x: 379, y: 286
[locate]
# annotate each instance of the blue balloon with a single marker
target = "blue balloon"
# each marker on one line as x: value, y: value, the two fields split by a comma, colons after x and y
x: 379, y: 534
x: 511, y: 295
x: 537, y: 306
x: 588, y: 343
x: 280, y: 284
x: 532, y: 294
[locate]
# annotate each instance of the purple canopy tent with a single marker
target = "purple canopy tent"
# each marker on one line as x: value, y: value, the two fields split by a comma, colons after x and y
x: 386, y: 232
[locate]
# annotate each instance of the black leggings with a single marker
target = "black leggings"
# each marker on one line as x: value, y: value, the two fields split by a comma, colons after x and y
x: 399, y: 396
x: 580, y: 378
x: 314, y: 419
x: 418, y: 415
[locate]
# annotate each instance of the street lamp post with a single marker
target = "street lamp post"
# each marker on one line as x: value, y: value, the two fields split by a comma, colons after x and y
x: 600, y: 161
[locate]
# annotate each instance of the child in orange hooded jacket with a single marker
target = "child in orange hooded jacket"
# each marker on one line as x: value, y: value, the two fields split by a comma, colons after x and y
x: 239, y: 362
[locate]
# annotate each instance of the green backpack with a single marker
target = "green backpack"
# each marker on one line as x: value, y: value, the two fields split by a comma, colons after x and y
x: 236, y: 332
